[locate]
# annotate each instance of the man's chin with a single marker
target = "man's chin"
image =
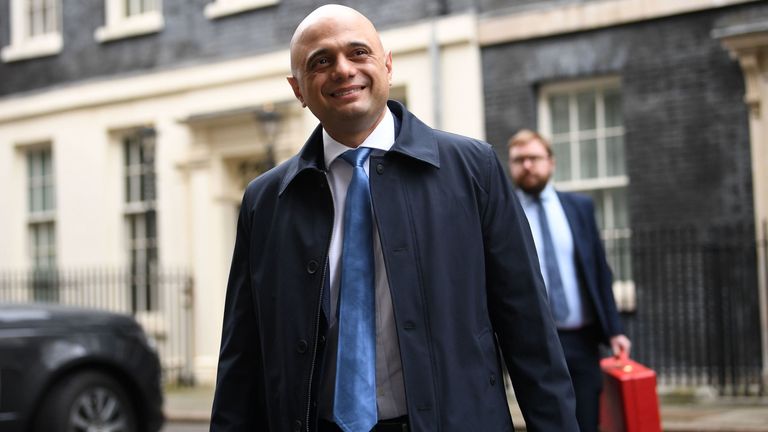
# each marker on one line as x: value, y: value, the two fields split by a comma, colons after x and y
x: 534, y: 189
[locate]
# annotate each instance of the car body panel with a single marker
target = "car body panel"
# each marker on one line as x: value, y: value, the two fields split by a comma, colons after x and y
x: 40, y: 344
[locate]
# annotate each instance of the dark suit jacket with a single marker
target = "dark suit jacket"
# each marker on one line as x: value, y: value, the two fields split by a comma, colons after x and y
x: 594, y: 274
x: 463, y: 277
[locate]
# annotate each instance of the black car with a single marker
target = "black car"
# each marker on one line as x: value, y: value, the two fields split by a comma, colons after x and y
x: 71, y: 370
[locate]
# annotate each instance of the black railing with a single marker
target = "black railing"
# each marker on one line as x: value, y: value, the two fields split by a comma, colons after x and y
x: 696, y: 312
x: 167, y: 320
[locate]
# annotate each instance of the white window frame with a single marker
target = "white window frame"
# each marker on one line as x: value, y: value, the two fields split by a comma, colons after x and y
x: 23, y: 45
x: 545, y: 125
x: 624, y: 290
x: 145, y: 294
x: 44, y: 217
x: 120, y: 25
x: 222, y: 8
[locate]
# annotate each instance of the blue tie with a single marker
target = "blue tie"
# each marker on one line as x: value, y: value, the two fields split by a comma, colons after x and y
x: 354, y: 403
x: 557, y: 301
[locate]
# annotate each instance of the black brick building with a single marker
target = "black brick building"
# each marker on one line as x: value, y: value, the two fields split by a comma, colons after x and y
x: 689, y: 199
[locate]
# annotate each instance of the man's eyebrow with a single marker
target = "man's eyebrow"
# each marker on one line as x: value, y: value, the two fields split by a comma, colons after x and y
x: 359, y: 44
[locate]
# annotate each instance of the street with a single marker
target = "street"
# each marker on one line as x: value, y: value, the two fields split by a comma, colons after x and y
x: 185, y: 427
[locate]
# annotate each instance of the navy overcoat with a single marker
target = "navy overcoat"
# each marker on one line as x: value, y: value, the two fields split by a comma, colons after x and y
x: 464, y: 280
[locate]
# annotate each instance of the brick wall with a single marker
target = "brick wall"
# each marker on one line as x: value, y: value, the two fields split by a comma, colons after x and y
x: 687, y: 132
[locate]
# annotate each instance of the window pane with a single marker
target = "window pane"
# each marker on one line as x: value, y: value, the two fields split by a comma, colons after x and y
x: 127, y: 151
x: 45, y: 165
x: 614, y: 150
x: 558, y: 109
x: 586, y: 110
x: 599, y: 201
x: 620, y: 219
x: 40, y: 187
x: 150, y: 5
x: 151, y: 233
x: 49, y: 16
x: 588, y: 158
x: 613, y: 116
x: 562, y: 153
x: 47, y: 198
x: 127, y: 188
x: 32, y: 17
x: 42, y: 242
x: 625, y: 270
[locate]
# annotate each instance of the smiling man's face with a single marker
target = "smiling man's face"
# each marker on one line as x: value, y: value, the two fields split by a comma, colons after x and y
x: 340, y: 71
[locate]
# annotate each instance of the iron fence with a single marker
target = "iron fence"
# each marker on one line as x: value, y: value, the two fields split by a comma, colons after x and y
x: 694, y: 314
x: 167, y: 320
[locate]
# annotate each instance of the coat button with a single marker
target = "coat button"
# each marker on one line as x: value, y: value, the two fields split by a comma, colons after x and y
x: 302, y: 346
x: 312, y: 267
x: 297, y: 426
x: 492, y: 380
x: 380, y: 168
x: 321, y: 341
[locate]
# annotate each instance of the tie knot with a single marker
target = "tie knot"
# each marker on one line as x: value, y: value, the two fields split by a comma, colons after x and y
x: 357, y: 156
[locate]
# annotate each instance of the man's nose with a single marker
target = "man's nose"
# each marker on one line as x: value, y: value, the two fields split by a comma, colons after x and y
x: 343, y: 68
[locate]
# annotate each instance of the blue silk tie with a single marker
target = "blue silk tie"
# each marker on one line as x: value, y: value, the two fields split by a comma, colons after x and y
x: 354, y: 403
x: 557, y: 301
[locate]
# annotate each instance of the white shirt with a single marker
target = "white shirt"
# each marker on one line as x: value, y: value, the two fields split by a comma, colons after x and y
x: 390, y: 388
x: 562, y: 237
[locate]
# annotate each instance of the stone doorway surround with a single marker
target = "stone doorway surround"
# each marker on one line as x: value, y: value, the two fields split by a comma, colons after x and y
x: 747, y: 42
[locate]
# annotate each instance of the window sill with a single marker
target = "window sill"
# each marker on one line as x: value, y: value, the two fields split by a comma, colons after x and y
x: 220, y: 8
x: 41, y: 46
x: 138, y: 207
x: 151, y: 22
x: 42, y: 216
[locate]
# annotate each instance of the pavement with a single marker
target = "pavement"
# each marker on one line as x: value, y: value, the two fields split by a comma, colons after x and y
x: 687, y: 413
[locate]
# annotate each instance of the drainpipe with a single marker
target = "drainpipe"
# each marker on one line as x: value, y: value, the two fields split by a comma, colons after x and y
x: 434, y: 56
x: 435, y: 60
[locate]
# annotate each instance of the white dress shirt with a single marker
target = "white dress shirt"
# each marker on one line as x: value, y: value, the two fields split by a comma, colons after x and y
x: 390, y: 388
x: 562, y: 237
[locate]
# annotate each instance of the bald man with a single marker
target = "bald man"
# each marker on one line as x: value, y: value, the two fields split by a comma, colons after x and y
x: 377, y: 273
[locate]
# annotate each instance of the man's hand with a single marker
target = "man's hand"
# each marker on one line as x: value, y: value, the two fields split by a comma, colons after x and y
x: 620, y: 344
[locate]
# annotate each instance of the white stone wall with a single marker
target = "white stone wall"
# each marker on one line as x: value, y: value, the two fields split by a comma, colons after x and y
x: 197, y: 151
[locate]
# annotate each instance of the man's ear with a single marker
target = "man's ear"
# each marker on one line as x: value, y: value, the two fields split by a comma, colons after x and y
x: 296, y: 90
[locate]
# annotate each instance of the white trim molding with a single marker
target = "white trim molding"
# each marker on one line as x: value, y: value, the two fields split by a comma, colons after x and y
x: 222, y: 8
x: 120, y: 25
x: 40, y: 46
x: 23, y: 46
x: 551, y: 19
x: 748, y: 43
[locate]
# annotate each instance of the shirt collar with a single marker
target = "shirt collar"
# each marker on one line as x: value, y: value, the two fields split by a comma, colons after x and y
x: 382, y: 137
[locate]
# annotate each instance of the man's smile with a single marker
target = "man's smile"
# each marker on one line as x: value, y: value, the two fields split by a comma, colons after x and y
x: 346, y: 91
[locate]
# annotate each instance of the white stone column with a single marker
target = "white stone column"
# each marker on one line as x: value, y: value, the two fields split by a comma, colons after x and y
x: 749, y: 45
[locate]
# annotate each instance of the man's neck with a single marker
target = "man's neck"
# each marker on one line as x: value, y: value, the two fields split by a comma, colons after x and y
x: 353, y: 138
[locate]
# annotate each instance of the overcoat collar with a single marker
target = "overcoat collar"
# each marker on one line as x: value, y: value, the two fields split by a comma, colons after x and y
x: 414, y: 139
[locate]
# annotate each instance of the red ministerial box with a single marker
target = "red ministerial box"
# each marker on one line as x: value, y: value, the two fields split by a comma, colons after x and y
x: 628, y: 402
